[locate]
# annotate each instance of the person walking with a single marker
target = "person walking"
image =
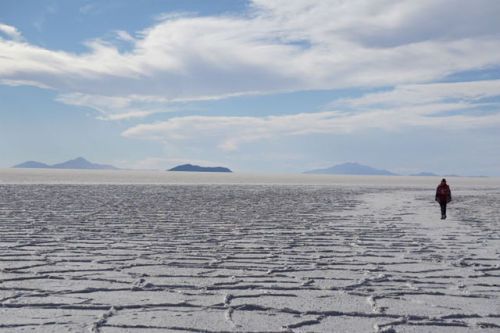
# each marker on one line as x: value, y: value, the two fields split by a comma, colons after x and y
x: 443, y: 196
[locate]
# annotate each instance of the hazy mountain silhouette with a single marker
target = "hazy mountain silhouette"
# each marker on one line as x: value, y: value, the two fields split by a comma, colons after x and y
x: 32, y: 164
x: 425, y: 174
x: 351, y: 169
x: 77, y: 163
x: 197, y: 168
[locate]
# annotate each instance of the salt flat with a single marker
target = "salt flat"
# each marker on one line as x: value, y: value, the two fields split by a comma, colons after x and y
x: 149, y: 252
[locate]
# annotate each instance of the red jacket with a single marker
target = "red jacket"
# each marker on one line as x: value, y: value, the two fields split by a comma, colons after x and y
x: 443, y: 193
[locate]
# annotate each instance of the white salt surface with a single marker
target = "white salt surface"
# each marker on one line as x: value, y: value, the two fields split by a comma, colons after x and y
x: 129, y: 251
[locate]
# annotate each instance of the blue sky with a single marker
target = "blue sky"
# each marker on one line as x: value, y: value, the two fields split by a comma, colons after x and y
x: 279, y: 86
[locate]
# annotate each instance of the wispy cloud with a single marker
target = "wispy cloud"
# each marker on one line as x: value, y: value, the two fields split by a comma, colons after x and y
x: 426, y: 94
x: 281, y: 46
x: 131, y: 106
x: 125, y: 36
x: 10, y: 32
x: 39, y: 22
x: 88, y: 8
x: 230, y: 132
x: 116, y: 107
x: 448, y: 106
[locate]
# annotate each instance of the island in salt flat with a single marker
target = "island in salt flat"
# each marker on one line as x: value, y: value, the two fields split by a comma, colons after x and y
x: 197, y: 168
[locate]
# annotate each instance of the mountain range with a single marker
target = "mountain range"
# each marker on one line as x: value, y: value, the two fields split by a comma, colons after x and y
x: 351, y: 169
x: 340, y: 169
x: 77, y: 163
x: 359, y: 169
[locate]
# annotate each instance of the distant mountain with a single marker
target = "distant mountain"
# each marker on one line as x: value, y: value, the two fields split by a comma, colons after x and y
x: 77, y: 163
x: 425, y: 174
x: 196, y: 168
x: 32, y: 164
x: 81, y: 163
x: 351, y: 169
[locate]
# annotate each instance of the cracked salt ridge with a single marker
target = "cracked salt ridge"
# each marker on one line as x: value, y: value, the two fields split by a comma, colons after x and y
x: 247, y: 258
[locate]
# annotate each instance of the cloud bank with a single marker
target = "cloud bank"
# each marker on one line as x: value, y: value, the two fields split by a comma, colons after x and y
x: 447, y: 106
x: 278, y: 46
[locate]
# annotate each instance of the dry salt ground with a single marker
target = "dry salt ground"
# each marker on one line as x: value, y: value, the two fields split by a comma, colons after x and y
x: 150, y: 252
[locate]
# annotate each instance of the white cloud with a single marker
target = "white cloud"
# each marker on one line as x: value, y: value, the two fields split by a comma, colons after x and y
x: 426, y: 94
x: 283, y: 45
x: 11, y: 32
x: 118, y: 108
x: 131, y: 106
x: 125, y: 36
x: 448, y: 106
x: 228, y: 131
x: 88, y: 8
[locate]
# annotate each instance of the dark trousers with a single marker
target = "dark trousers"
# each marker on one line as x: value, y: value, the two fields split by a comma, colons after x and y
x: 443, y: 203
